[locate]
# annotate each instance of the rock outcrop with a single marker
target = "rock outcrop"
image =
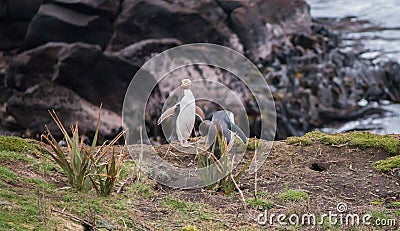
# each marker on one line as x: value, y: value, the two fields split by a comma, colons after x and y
x: 107, y: 8
x: 83, y: 68
x: 15, y: 16
x: 62, y: 24
x: 30, y: 110
x: 89, y: 50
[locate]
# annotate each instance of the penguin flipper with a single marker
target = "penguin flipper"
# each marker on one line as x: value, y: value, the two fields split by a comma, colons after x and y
x: 212, y: 133
x: 166, y: 114
x: 204, y: 127
x: 239, y: 132
x: 200, y: 113
x: 213, y: 141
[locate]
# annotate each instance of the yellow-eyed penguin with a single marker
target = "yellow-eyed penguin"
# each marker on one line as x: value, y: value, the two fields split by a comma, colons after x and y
x: 222, y: 121
x: 187, y: 110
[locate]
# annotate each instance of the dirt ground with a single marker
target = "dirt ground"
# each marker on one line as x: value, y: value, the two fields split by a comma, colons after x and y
x: 329, y: 174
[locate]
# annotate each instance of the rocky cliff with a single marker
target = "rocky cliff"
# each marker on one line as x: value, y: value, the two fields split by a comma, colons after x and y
x: 71, y: 55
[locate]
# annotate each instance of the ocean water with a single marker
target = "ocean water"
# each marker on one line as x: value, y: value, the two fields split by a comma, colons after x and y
x: 383, y: 13
x: 384, y: 43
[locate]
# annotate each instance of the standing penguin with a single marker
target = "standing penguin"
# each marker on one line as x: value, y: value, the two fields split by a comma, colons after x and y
x: 222, y: 124
x: 187, y: 110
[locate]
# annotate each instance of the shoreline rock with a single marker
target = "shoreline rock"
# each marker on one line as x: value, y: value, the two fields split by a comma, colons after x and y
x: 94, y: 49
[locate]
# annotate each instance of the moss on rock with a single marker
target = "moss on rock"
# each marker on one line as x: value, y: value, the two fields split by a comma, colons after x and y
x: 20, y: 145
x: 388, y: 164
x: 360, y: 140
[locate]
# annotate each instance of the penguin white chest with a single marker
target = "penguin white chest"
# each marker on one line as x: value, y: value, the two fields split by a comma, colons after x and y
x: 186, y: 117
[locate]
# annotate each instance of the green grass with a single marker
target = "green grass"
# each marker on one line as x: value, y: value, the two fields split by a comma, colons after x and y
x: 14, y: 156
x: 388, y: 164
x: 127, y: 169
x: 40, y: 165
x: 190, y: 228
x: 183, y: 206
x: 142, y: 190
x: 40, y: 183
x: 300, y: 140
x: 188, y: 212
x: 326, y: 225
x: 20, y: 212
x: 253, y: 143
x: 360, y: 140
x: 8, y: 175
x: 260, y: 203
x: 263, y: 194
x: 378, y: 202
x: 395, y: 204
x: 19, y: 145
x: 20, y: 208
x: 293, y: 195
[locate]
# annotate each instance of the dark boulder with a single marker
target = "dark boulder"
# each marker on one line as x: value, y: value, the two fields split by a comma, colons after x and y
x: 253, y: 34
x: 61, y: 24
x: 15, y: 16
x: 391, y: 80
x: 83, y: 68
x: 21, y: 10
x: 30, y: 108
x: 138, y: 53
x: 250, y: 26
x: 107, y: 8
x: 12, y: 34
x: 187, y: 21
x: 292, y: 15
x: 3, y: 8
x: 262, y: 24
x: 2, y: 78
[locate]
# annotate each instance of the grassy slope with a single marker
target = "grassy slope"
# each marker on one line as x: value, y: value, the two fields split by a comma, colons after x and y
x: 34, y: 193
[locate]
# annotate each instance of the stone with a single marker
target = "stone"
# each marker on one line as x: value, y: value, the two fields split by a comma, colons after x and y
x: 15, y: 16
x: 183, y: 20
x: 138, y: 53
x: 3, y: 8
x: 83, y: 68
x: 71, y: 108
x: 391, y: 79
x: 292, y: 15
x: 55, y: 23
x: 107, y: 8
x: 21, y: 10
x: 253, y: 34
x: 12, y: 34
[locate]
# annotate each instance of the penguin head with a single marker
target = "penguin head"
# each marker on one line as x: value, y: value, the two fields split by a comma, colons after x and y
x: 186, y: 84
x: 227, y: 121
x: 224, y: 117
